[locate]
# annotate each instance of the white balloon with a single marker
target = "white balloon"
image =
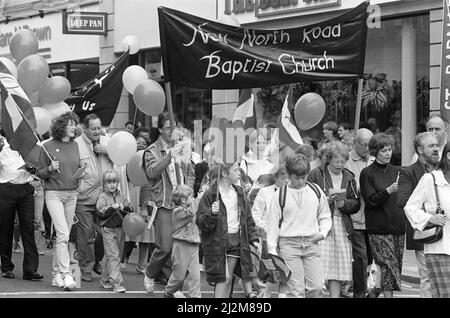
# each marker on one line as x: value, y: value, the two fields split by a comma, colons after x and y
x: 133, y: 76
x: 131, y: 42
x: 56, y: 109
x: 43, y: 119
x: 121, y: 147
x: 230, y: 20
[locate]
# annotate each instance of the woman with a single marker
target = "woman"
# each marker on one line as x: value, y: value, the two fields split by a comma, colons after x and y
x: 421, y: 213
x: 385, y: 220
x: 60, y: 178
x: 227, y: 230
x: 330, y: 132
x: 340, y: 187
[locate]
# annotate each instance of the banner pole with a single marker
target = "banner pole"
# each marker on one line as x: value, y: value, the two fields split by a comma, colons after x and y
x: 358, y: 104
x: 172, y: 124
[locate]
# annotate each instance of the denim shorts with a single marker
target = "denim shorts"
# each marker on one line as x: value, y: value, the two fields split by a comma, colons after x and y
x: 233, y: 244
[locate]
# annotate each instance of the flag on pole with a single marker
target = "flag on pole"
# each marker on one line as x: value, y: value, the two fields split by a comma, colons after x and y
x: 19, y: 123
x: 245, y: 113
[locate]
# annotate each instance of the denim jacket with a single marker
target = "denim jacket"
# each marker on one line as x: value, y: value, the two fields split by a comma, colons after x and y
x: 184, y: 227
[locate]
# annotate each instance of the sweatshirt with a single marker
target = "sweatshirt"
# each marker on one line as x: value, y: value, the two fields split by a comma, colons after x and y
x: 184, y: 227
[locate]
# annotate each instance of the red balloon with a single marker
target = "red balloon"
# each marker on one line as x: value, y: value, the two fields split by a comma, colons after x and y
x: 23, y: 43
x: 135, y: 172
x: 309, y: 111
x: 149, y: 97
x: 32, y: 73
x: 55, y: 89
x: 133, y: 224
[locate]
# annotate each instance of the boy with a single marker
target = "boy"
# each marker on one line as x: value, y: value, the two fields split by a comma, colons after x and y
x: 186, y: 240
x: 295, y: 229
x: 111, y: 205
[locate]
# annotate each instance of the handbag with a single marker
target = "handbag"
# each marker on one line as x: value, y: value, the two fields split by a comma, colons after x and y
x: 433, y: 233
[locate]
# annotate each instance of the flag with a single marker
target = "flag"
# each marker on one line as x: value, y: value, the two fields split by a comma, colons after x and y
x: 101, y: 94
x: 245, y: 113
x: 19, y: 123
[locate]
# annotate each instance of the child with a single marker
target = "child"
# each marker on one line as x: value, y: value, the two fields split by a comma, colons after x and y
x: 111, y: 205
x: 186, y: 240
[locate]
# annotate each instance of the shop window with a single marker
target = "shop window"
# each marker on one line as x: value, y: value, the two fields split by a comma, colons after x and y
x: 77, y: 73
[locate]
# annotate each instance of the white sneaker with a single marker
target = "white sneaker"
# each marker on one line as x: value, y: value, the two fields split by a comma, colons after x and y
x: 57, y: 281
x: 178, y: 294
x: 69, y: 283
x: 118, y: 288
x: 106, y: 284
x: 149, y: 284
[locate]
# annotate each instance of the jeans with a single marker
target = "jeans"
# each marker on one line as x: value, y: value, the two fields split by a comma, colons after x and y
x: 61, y: 207
x: 303, y: 258
x: 425, y: 286
x: 185, y: 265
x: 111, y: 239
x: 360, y: 262
x: 89, y: 244
x: 17, y: 197
x: 160, y: 259
x: 38, y: 206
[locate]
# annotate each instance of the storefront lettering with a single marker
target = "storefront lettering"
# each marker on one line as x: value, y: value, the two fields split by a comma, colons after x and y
x: 325, y: 33
x: 42, y: 34
x: 242, y: 6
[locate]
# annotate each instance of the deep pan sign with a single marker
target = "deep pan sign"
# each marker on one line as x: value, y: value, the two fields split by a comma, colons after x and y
x: 84, y: 23
x: 205, y: 54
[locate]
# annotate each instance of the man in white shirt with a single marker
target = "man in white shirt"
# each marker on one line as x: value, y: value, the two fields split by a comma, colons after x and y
x: 16, y: 194
x: 294, y: 231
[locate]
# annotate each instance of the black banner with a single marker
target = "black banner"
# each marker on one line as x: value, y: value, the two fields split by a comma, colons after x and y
x: 100, y: 95
x: 205, y: 54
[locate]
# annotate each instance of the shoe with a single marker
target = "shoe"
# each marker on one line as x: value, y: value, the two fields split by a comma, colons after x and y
x: 166, y: 295
x: 252, y: 294
x: 86, y: 277
x: 69, y: 283
x: 178, y: 294
x: 40, y: 252
x: 140, y: 270
x: 149, y: 284
x: 97, y: 268
x: 118, y: 288
x: 106, y: 284
x: 34, y: 276
x: 57, y: 281
x: 161, y: 280
x: 8, y: 274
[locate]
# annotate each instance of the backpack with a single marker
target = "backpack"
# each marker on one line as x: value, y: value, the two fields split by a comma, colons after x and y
x: 282, y: 198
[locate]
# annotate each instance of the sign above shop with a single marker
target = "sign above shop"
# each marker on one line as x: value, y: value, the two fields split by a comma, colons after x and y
x: 84, y: 23
x: 266, y: 8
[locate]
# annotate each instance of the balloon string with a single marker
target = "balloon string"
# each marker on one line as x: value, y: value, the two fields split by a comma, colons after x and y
x: 134, y: 119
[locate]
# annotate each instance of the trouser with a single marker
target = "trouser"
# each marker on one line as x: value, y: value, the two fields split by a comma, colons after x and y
x: 185, y: 265
x: 303, y: 258
x: 38, y: 206
x: 89, y: 243
x: 61, y: 207
x: 425, y: 286
x: 17, y: 197
x: 360, y: 262
x: 160, y: 259
x: 111, y: 241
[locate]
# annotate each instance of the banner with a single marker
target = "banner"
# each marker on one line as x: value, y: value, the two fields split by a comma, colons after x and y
x: 445, y: 65
x: 100, y: 95
x: 204, y: 54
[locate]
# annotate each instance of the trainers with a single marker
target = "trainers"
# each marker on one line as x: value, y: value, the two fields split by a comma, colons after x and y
x: 149, y: 284
x: 118, y: 288
x: 86, y: 277
x: 69, y: 283
x: 140, y: 270
x: 106, y: 284
x: 178, y: 294
x: 57, y: 281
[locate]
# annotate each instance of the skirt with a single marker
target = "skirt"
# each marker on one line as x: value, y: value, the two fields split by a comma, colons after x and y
x: 438, y: 266
x: 387, y: 251
x: 336, y: 251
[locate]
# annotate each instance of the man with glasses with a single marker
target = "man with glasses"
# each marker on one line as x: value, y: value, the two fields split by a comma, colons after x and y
x: 359, y: 158
x: 439, y: 127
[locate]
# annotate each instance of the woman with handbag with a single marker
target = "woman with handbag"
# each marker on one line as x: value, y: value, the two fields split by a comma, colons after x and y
x: 425, y: 209
x: 385, y: 221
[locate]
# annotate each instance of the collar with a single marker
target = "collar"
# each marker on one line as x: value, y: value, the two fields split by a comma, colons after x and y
x: 440, y: 179
x: 426, y: 166
x: 86, y: 139
x: 159, y: 143
x: 116, y: 193
x: 355, y: 156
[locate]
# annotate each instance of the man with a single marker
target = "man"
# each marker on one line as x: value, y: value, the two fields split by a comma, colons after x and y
x: 358, y: 160
x: 93, y: 153
x: 164, y: 172
x: 439, y: 127
x: 427, y: 148
x: 16, y: 194
x: 343, y: 130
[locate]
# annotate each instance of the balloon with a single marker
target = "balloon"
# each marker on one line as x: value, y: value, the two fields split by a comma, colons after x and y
x: 131, y: 42
x: 34, y: 98
x: 133, y: 76
x: 23, y: 43
x: 43, y: 119
x: 135, y: 172
x: 309, y: 111
x: 55, y: 89
x: 121, y: 147
x: 133, y: 224
x: 56, y: 109
x: 8, y: 66
x: 149, y: 97
x: 229, y: 20
x: 32, y: 73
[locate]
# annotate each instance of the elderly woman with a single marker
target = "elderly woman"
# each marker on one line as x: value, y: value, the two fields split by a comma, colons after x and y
x: 421, y: 213
x: 340, y: 187
x: 385, y: 220
x: 60, y: 175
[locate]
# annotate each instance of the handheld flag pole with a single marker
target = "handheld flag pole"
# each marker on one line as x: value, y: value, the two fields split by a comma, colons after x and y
x: 358, y: 104
x: 172, y: 124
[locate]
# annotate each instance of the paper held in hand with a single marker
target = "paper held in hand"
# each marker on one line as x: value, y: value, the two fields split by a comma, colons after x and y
x: 338, y: 194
